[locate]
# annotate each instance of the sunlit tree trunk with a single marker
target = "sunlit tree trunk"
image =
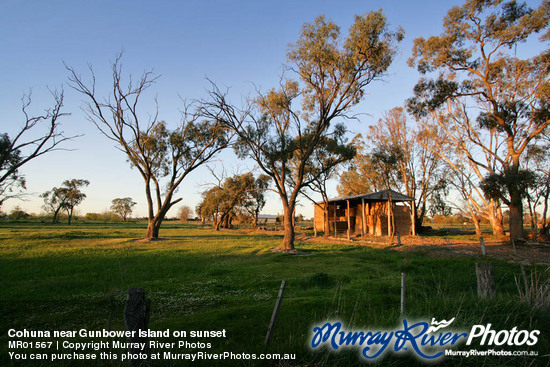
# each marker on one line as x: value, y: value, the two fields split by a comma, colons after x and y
x: 516, y: 220
x: 326, y: 222
x: 55, y: 215
x: 545, y: 224
x: 288, y: 224
x: 494, y: 212
x: 153, y: 228
x: 256, y: 214
x: 516, y: 203
x: 69, y: 216
x: 532, y: 216
x: 154, y: 222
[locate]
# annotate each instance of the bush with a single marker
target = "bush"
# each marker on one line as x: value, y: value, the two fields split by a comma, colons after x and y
x: 18, y: 213
x: 105, y: 216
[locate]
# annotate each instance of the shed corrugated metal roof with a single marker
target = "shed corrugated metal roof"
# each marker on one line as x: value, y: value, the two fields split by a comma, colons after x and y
x: 267, y: 216
x: 383, y: 195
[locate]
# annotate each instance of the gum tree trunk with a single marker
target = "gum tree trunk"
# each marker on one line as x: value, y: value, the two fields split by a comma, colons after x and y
x: 516, y: 219
x: 154, y: 223
x: 516, y: 204
x: 326, y: 223
x: 495, y: 217
x: 153, y: 228
x: 478, y: 227
x: 288, y: 223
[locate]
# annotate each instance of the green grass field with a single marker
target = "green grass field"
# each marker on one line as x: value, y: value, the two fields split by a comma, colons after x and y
x: 72, y: 277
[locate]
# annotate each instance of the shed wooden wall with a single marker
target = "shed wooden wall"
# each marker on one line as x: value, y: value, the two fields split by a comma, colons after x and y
x: 376, y: 218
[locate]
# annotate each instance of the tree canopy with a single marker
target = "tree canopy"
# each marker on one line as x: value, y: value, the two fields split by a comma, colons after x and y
x: 66, y: 197
x: 489, y: 91
x: 123, y: 207
x: 236, y: 193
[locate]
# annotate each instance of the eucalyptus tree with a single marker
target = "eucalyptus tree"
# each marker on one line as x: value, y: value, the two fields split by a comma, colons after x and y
x: 37, y: 135
x: 467, y: 164
x: 235, y: 193
x: 256, y: 198
x: 54, y: 200
x: 184, y: 212
x: 395, y: 155
x: 332, y: 76
x: 537, y: 162
x: 333, y: 152
x: 163, y: 156
x: 73, y: 195
x: 362, y: 176
x: 481, y: 72
x: 66, y: 197
x: 123, y: 207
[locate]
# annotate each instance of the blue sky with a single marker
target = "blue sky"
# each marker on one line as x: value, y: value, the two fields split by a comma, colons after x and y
x: 234, y: 43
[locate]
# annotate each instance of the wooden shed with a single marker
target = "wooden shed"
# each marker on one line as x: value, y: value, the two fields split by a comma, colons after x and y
x: 379, y: 213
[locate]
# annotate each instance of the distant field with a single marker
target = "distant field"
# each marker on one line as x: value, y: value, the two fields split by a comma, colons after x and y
x: 72, y: 277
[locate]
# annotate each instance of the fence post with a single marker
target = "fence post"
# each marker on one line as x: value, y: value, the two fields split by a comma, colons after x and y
x: 275, y: 312
x: 136, y: 317
x: 485, y: 280
x: 482, y: 241
x: 403, y: 277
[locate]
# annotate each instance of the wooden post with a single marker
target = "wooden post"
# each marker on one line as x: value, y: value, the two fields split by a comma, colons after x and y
x: 363, y: 229
x: 413, y: 218
x: 485, y: 280
x: 314, y: 221
x: 335, y: 229
x: 448, y: 242
x: 275, y: 312
x: 389, y: 217
x: 398, y: 239
x: 349, y: 221
x: 403, y: 277
x: 136, y: 317
x: 482, y: 241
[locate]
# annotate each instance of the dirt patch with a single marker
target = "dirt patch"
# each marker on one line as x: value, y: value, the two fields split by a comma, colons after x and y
x: 151, y: 239
x: 527, y: 252
x: 293, y: 252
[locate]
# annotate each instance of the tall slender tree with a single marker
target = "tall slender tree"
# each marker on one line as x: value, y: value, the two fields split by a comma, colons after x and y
x: 162, y: 156
x: 468, y: 164
x: 256, y: 199
x: 66, y: 197
x: 333, y: 75
x: 398, y: 157
x: 477, y: 57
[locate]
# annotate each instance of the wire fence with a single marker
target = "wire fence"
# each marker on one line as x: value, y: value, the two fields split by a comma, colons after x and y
x: 247, y: 314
